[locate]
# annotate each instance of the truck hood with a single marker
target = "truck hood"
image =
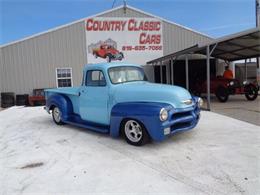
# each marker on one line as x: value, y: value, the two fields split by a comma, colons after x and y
x: 142, y: 91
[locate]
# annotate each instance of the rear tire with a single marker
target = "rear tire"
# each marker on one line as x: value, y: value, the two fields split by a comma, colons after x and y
x: 56, y: 116
x: 134, y: 132
x: 222, y: 94
x: 251, y: 92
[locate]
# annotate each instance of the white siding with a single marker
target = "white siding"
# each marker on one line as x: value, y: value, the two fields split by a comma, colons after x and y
x: 1, y: 71
x: 176, y: 38
x: 31, y: 63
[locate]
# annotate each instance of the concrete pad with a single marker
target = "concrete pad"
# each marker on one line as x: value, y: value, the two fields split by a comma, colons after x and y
x: 1, y: 108
x: 219, y: 156
x: 239, y: 107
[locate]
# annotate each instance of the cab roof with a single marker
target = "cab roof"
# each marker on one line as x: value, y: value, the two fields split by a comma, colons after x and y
x: 104, y: 66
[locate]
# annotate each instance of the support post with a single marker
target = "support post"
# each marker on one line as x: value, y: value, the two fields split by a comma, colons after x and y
x: 167, y: 73
x: 245, y: 70
x: 208, y: 78
x: 161, y: 74
x: 172, y: 76
x: 187, y: 71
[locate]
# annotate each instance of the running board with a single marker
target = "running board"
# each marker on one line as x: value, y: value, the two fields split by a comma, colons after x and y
x: 77, y: 121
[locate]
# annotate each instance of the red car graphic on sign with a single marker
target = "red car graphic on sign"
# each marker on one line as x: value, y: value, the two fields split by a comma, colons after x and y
x: 108, y: 52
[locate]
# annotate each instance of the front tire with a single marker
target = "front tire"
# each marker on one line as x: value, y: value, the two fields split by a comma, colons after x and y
x: 56, y: 116
x: 134, y: 132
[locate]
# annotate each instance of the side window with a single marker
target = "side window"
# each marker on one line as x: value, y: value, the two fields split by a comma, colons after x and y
x: 95, y: 78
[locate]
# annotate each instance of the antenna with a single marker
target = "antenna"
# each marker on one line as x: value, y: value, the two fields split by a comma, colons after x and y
x: 113, y: 4
x: 125, y: 6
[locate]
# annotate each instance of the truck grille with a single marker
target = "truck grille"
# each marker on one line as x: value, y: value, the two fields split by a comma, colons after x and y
x: 180, y: 125
x: 181, y: 114
x: 184, y: 119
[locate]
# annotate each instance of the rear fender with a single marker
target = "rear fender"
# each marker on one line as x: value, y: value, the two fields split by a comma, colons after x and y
x: 62, y: 102
x: 250, y: 86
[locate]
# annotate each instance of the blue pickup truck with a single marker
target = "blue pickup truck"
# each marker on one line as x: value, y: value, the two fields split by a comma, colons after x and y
x: 116, y: 98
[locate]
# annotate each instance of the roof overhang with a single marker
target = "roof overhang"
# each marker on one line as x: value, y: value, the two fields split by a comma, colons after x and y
x: 242, y: 45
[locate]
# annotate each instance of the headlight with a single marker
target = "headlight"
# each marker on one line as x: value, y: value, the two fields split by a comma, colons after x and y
x: 163, y: 114
x: 200, y: 102
x: 244, y: 82
x: 231, y: 83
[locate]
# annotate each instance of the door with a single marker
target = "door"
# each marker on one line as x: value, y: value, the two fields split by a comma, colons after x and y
x: 93, y: 100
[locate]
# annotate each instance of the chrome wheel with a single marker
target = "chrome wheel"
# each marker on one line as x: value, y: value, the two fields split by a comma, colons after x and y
x: 133, y: 131
x: 57, y: 114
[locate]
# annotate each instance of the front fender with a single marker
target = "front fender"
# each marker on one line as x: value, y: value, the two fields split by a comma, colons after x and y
x: 145, y: 112
x: 62, y: 102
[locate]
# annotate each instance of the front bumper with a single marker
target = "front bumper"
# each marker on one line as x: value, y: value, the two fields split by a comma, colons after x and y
x: 179, y: 119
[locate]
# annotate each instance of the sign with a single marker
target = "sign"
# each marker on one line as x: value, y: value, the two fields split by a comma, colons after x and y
x: 133, y: 40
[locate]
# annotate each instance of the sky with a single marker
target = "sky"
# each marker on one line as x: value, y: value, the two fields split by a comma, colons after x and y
x: 216, y: 18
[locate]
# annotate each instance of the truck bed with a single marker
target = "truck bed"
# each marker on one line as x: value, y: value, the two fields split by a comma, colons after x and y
x: 70, y: 92
x: 63, y: 90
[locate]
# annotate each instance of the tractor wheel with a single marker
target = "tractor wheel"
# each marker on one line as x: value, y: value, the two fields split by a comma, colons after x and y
x: 222, y: 94
x: 251, y: 92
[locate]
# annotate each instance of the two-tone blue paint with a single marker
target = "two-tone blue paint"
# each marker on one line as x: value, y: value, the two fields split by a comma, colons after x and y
x: 148, y: 114
x: 104, y: 108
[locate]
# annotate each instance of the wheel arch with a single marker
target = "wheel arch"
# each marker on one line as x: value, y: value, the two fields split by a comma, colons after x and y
x: 62, y: 102
x: 124, y: 120
x: 147, y: 113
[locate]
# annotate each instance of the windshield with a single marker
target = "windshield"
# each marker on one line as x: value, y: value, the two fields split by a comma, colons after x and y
x: 124, y: 74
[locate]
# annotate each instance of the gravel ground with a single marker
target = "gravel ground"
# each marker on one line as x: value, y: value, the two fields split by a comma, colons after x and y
x: 219, y: 156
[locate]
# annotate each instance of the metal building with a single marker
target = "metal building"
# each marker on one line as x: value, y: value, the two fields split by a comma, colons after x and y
x: 38, y: 61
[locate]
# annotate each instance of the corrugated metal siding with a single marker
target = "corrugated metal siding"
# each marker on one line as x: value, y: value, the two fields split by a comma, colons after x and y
x: 1, y: 71
x: 176, y: 38
x: 32, y: 63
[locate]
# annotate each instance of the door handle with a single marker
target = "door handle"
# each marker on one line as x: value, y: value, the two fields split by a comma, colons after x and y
x: 82, y: 91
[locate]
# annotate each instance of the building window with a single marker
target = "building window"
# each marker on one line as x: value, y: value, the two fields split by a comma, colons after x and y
x: 64, y: 77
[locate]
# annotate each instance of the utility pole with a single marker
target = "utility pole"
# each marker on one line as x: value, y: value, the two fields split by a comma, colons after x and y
x: 257, y: 14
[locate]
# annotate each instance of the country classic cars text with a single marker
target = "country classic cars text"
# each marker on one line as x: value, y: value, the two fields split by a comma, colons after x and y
x: 121, y: 25
x: 130, y: 25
